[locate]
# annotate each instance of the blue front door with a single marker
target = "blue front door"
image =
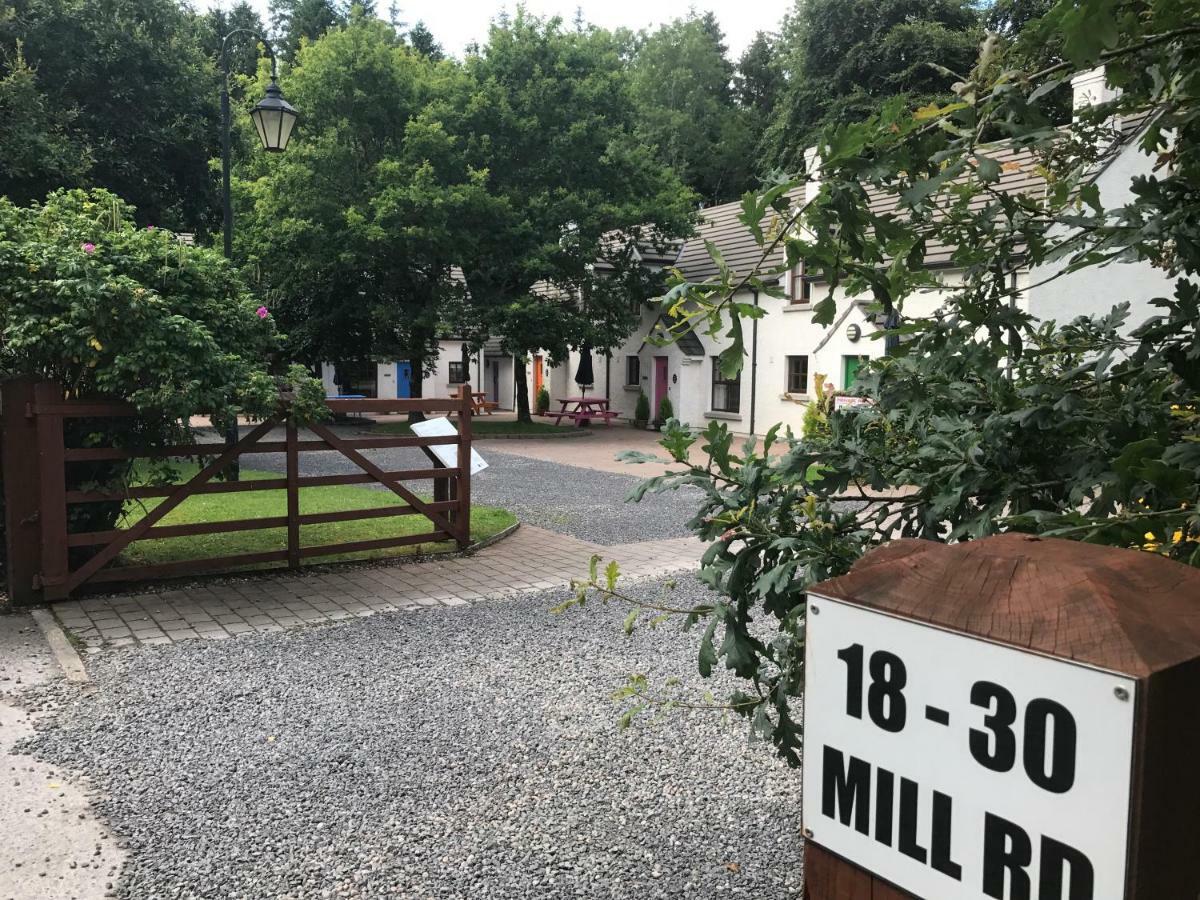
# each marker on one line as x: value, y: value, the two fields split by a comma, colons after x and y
x: 403, y: 379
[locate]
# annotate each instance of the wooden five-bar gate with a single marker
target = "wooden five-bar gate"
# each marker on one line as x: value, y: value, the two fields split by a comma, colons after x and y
x: 37, y: 496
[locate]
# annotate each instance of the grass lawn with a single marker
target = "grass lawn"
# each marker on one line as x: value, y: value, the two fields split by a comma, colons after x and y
x: 482, y: 428
x: 485, y: 522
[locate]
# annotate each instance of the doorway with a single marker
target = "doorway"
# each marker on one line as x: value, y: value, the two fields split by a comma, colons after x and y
x: 661, y: 385
x: 491, y: 378
x: 537, y: 379
x: 850, y: 367
x: 403, y: 379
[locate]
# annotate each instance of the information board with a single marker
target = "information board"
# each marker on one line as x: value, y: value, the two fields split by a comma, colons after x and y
x: 956, y: 767
x: 447, y: 454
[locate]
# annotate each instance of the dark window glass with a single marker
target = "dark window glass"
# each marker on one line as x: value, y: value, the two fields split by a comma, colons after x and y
x: 633, y: 370
x: 797, y: 374
x: 726, y: 392
x: 801, y: 287
x: 458, y: 372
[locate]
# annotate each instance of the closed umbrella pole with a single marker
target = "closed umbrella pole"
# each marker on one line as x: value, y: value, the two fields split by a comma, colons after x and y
x: 584, y: 375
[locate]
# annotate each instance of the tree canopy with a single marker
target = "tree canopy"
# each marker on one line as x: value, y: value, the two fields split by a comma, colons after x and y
x: 682, y: 83
x: 371, y: 209
x: 844, y: 58
x: 117, y: 93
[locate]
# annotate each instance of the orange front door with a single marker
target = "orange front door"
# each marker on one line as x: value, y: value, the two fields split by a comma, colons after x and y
x: 537, y: 379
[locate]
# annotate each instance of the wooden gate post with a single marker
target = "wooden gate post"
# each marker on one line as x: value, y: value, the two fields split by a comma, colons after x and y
x: 52, y: 488
x: 1011, y: 718
x: 22, y: 529
x: 293, y: 487
x: 463, y: 493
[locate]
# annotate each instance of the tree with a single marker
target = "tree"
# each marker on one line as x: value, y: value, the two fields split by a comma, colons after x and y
x: 36, y: 146
x: 421, y: 39
x: 244, y: 53
x: 294, y: 21
x: 844, y: 58
x: 682, y: 85
x: 758, y: 85
x: 131, y: 88
x: 547, y: 121
x: 992, y: 420
x: 369, y: 209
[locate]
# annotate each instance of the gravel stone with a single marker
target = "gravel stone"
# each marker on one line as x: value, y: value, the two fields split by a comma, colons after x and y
x: 470, y: 752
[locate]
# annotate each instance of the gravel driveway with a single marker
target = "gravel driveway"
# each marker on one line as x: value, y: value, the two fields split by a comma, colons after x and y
x: 447, y: 753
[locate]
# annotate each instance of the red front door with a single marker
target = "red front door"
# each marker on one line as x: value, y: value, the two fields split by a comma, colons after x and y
x: 537, y: 379
x: 660, y: 382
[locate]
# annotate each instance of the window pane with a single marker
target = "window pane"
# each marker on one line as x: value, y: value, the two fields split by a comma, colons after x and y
x: 726, y: 393
x: 633, y: 370
x: 457, y: 375
x: 797, y: 374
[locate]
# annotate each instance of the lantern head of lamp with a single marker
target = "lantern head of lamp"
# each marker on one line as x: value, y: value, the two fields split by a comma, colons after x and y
x: 273, y: 118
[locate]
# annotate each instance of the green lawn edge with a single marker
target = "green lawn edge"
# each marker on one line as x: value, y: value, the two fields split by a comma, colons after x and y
x: 486, y: 522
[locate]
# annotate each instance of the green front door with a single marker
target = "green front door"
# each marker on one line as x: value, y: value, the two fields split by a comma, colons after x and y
x: 850, y: 366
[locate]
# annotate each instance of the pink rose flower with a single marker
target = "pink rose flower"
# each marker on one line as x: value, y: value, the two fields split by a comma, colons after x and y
x: 262, y: 312
x: 89, y: 247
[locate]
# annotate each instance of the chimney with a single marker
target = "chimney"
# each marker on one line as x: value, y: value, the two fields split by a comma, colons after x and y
x: 1091, y: 89
x: 812, y: 168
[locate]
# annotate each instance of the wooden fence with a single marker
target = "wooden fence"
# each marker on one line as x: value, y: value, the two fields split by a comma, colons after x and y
x: 37, y: 495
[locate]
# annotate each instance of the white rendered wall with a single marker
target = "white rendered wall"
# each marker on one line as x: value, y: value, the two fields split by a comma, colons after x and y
x: 1095, y: 290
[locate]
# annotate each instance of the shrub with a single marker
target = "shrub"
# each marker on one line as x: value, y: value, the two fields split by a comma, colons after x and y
x: 641, y: 412
x: 816, y: 414
x: 107, y: 309
x: 666, y: 412
x: 543, y: 401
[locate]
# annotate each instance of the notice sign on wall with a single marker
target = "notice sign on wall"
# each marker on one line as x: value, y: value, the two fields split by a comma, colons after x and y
x: 955, y: 767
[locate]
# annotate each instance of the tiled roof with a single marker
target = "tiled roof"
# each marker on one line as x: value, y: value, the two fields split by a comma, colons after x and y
x: 719, y: 224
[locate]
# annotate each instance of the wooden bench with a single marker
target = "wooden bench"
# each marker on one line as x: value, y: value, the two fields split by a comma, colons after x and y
x: 606, y: 414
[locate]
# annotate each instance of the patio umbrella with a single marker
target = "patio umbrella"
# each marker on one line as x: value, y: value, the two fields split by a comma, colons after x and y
x: 584, y: 376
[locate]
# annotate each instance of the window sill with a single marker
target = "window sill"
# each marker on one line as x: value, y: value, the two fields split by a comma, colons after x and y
x: 631, y: 387
x: 717, y: 414
x: 798, y: 307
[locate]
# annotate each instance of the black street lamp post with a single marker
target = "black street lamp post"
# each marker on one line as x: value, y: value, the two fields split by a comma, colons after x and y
x: 273, y: 119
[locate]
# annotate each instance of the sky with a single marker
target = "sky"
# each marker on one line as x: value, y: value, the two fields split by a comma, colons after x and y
x: 456, y: 23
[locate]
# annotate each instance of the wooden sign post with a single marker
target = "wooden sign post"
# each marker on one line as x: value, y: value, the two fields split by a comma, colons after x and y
x: 1008, y: 719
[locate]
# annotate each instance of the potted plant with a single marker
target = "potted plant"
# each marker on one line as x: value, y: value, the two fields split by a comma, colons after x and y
x: 666, y: 411
x: 543, y: 402
x: 641, y: 412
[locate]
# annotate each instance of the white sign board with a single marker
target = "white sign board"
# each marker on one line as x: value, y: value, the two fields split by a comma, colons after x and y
x: 447, y: 454
x: 846, y: 401
x: 959, y: 768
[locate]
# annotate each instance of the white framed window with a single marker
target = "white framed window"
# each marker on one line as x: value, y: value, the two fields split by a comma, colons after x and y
x: 633, y: 371
x: 801, y: 288
x: 726, y: 392
x: 797, y: 375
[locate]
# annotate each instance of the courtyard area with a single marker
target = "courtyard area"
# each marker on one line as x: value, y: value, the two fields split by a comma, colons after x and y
x: 418, y: 729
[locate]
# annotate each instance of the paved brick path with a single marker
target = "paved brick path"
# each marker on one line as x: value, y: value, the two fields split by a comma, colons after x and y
x: 531, y: 559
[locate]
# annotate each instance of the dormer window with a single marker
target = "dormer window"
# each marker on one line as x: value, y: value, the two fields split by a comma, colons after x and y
x: 801, y: 288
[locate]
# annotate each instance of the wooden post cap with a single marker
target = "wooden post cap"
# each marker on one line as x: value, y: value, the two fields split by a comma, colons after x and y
x: 1125, y: 610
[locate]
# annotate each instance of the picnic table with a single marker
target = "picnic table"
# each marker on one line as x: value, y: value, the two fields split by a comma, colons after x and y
x: 480, y: 404
x: 581, y: 410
